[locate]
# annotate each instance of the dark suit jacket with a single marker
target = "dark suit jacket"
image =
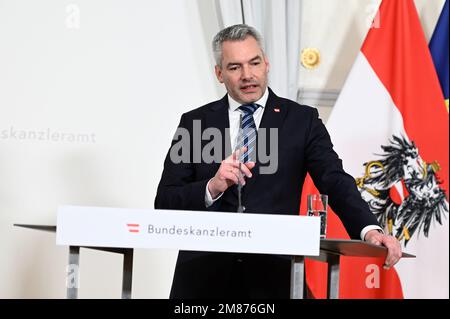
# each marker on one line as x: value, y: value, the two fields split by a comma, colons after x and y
x: 304, y: 146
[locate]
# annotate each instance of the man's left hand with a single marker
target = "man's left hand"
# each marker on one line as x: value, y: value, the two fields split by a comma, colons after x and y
x: 390, y: 242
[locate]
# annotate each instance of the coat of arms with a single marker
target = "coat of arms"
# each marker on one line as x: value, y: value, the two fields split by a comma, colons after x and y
x: 403, y: 191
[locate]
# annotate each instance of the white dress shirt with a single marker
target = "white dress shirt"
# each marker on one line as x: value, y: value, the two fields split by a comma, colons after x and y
x: 234, y: 116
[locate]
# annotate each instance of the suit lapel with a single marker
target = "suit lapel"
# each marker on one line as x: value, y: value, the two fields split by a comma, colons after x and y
x: 273, y: 117
x: 218, y: 118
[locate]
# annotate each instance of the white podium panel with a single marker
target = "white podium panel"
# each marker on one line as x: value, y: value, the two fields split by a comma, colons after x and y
x: 188, y: 230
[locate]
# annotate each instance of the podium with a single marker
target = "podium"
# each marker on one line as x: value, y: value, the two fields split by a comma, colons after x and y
x: 122, y: 230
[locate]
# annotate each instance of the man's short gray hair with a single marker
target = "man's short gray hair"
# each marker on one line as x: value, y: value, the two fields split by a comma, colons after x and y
x: 238, y: 32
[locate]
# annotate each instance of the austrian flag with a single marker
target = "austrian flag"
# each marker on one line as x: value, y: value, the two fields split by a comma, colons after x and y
x: 391, y: 128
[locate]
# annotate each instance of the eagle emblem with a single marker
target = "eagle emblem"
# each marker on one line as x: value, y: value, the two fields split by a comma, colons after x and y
x: 403, y: 191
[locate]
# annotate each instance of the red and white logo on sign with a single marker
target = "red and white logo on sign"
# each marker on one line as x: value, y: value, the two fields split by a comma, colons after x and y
x: 133, y: 228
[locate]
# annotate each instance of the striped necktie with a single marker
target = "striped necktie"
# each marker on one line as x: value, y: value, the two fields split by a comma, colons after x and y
x: 248, y: 132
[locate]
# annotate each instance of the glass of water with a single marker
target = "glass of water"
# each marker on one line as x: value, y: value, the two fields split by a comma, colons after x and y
x: 317, y: 206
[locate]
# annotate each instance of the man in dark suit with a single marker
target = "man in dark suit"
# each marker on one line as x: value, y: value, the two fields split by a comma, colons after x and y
x: 303, y: 146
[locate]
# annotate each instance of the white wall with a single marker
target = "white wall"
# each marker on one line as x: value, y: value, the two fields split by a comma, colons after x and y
x: 337, y: 29
x: 119, y: 73
x: 123, y: 78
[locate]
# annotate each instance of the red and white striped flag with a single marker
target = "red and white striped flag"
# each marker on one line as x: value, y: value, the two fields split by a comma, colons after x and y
x: 390, y: 126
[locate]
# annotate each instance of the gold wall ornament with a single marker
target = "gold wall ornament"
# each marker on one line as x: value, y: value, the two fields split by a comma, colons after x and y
x: 310, y: 58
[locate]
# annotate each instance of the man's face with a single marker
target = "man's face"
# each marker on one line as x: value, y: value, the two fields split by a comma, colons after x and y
x: 244, y: 70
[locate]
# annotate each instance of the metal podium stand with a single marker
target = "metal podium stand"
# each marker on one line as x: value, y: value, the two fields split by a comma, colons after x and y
x: 74, y: 259
x: 330, y: 252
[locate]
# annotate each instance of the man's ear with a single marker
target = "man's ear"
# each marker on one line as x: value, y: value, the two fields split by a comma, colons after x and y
x: 218, y: 71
